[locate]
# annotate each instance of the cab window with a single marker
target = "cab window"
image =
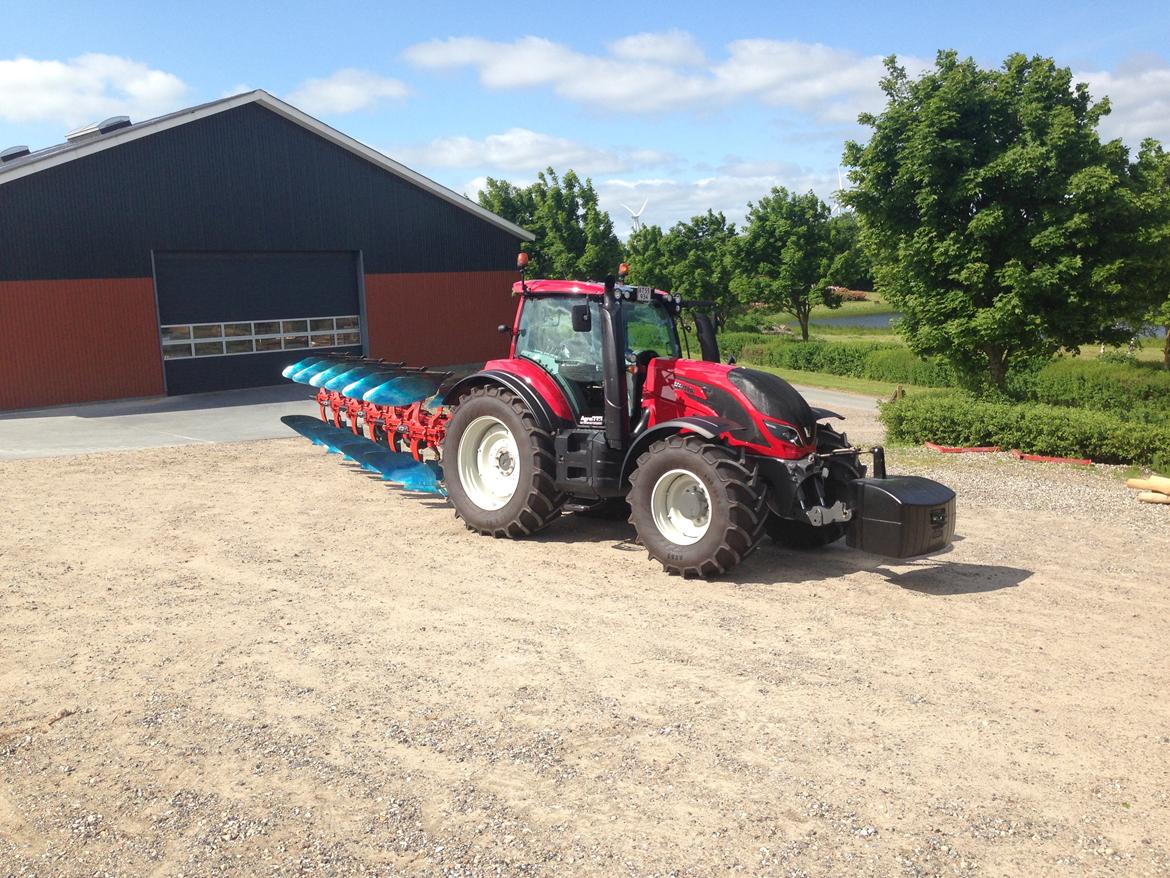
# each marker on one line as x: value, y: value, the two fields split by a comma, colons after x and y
x: 573, y: 359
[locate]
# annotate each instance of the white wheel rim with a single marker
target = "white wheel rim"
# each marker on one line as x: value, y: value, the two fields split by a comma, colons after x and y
x: 489, y: 463
x: 681, y: 507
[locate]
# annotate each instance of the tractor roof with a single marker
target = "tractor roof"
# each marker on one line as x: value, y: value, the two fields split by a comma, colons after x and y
x: 578, y: 287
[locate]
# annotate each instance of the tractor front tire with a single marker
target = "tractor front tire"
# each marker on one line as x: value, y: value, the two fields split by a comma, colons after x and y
x: 801, y: 534
x: 698, y: 506
x: 500, y: 466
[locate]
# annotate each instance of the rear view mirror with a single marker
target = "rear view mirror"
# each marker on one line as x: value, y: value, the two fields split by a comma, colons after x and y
x: 582, y: 320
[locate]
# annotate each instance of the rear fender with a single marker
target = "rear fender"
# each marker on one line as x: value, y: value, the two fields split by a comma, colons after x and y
x: 707, y: 427
x: 544, y: 399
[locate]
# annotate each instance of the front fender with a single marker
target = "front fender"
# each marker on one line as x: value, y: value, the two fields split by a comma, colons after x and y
x: 707, y: 427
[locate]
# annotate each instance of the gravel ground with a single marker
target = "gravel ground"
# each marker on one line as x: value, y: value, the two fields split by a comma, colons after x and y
x: 250, y: 659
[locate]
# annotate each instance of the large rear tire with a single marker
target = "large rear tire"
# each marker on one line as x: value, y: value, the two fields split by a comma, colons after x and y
x: 698, y: 507
x: 500, y: 466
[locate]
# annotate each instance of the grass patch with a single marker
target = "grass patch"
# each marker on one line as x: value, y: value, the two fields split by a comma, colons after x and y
x: 853, y: 333
x: 821, y: 312
x: 1149, y: 352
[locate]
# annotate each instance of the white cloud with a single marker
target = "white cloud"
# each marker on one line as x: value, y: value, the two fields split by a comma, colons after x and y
x: 670, y: 199
x: 85, y: 89
x: 672, y: 47
x: 345, y: 92
x: 519, y: 150
x: 1139, y: 94
x: 654, y: 72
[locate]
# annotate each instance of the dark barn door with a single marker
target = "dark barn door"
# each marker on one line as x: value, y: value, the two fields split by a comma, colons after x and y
x: 231, y: 320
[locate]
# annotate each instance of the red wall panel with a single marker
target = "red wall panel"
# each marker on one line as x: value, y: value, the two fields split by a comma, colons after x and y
x: 67, y: 341
x: 441, y: 318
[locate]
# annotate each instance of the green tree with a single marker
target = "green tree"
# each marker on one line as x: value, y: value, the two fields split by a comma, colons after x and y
x: 574, y: 236
x: 785, y: 254
x: 997, y: 220
x: 851, y: 267
x: 1151, y: 184
x: 700, y: 258
x: 646, y: 257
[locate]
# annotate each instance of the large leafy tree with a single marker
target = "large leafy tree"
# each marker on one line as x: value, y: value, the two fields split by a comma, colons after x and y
x: 574, y: 236
x: 1150, y: 176
x: 786, y: 254
x: 646, y: 256
x: 700, y: 257
x: 997, y: 220
x: 695, y: 258
x: 851, y: 267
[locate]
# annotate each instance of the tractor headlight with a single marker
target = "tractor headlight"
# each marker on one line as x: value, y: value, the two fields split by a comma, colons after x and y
x: 784, y: 432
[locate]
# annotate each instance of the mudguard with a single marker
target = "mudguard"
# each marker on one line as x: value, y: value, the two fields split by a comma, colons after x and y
x: 544, y: 413
x: 707, y: 427
x: 825, y: 414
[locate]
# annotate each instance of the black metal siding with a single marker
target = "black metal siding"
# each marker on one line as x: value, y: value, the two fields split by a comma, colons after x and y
x: 243, y: 179
x: 222, y: 287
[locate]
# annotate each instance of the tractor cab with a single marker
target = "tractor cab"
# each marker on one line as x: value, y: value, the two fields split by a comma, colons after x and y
x: 561, y: 329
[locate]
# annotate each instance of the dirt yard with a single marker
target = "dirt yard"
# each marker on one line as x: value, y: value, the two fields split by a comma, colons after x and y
x: 252, y: 659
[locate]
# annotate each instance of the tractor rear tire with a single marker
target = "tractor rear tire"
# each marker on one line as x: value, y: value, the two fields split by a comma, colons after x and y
x: 698, y: 506
x: 498, y: 416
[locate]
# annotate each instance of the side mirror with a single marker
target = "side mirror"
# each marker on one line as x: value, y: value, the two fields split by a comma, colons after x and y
x: 582, y: 319
x: 503, y: 328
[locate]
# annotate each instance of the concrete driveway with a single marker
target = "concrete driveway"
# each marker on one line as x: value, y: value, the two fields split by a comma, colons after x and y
x: 231, y: 416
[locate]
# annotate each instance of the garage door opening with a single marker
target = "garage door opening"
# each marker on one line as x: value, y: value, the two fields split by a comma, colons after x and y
x: 233, y: 320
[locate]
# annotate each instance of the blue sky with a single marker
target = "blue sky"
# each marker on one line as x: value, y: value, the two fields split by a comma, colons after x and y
x: 682, y: 105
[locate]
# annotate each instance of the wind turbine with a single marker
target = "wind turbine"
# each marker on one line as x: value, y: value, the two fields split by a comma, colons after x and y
x: 636, y: 217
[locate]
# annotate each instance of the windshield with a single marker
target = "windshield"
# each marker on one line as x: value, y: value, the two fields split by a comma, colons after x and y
x: 649, y: 327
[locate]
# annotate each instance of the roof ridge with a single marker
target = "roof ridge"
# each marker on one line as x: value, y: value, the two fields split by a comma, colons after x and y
x: 59, y: 154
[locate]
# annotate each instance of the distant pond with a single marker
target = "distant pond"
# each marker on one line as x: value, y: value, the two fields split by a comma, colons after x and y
x: 873, y: 321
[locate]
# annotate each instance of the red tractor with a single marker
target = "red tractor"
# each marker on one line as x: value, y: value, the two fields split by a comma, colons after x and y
x: 596, y: 404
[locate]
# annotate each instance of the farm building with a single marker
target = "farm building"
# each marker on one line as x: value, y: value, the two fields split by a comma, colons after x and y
x: 205, y: 249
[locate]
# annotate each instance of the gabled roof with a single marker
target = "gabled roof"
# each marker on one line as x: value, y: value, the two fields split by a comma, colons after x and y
x: 52, y: 156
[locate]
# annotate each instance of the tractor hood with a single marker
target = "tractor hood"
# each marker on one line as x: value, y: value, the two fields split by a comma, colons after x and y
x: 775, y: 398
x: 770, y: 395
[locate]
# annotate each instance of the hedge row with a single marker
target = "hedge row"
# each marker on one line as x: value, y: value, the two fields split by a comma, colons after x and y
x: 873, y: 360
x: 956, y: 418
x: 1141, y: 393
x: 731, y: 344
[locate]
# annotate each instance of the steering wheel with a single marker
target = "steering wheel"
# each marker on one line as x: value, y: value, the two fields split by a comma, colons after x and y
x: 643, y: 357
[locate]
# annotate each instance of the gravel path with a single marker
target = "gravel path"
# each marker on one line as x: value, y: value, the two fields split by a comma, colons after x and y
x: 250, y: 659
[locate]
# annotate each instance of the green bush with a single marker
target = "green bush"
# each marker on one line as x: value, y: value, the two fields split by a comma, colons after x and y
x: 956, y: 418
x: 731, y: 344
x: 900, y: 365
x: 876, y: 361
x: 1139, y: 392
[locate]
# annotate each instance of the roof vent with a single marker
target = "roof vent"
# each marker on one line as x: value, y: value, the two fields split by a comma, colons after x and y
x: 113, y: 124
x: 98, y: 128
x: 13, y: 152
